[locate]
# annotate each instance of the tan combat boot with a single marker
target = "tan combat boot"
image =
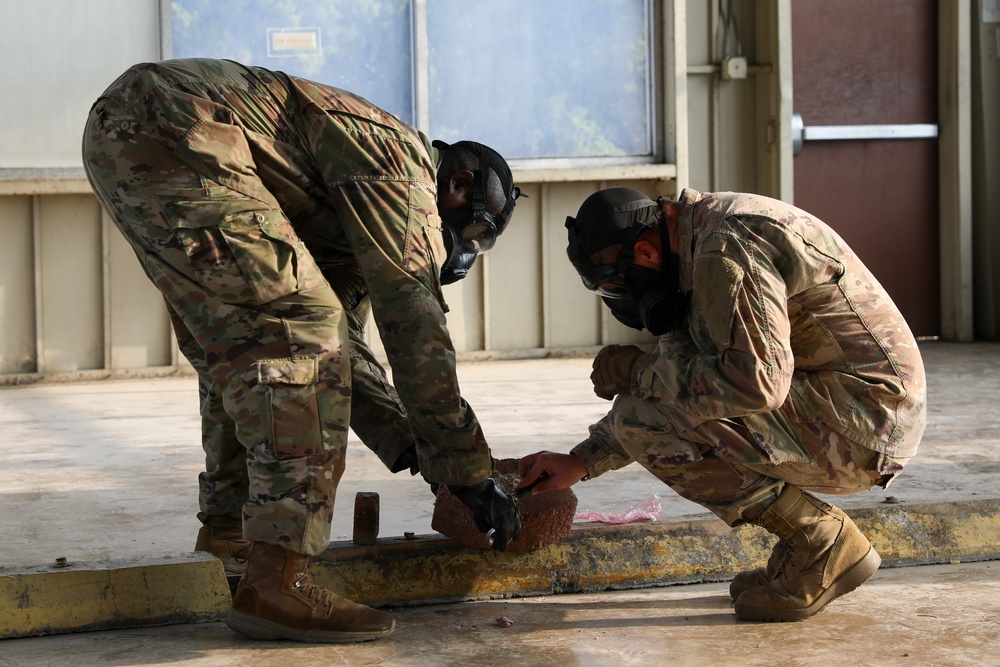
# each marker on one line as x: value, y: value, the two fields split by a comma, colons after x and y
x: 277, y: 599
x: 761, y: 576
x: 826, y: 557
x: 222, y: 536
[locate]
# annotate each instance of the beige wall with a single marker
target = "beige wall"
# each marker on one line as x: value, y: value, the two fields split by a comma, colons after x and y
x: 74, y: 303
x: 17, y: 291
x: 72, y: 295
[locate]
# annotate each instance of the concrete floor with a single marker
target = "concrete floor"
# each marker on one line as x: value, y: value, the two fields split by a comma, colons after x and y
x: 928, y: 616
x: 108, y: 469
x: 104, y: 469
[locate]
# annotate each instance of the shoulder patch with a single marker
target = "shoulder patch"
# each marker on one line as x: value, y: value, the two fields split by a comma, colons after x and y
x: 717, y: 281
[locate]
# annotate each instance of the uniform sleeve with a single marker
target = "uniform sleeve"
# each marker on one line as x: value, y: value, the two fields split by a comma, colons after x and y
x: 381, y: 186
x: 395, y: 232
x: 735, y: 357
x: 601, y: 452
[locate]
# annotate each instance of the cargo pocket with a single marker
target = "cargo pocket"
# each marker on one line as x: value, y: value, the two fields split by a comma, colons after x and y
x: 293, y: 424
x: 778, y: 436
x: 305, y: 272
x: 250, y: 256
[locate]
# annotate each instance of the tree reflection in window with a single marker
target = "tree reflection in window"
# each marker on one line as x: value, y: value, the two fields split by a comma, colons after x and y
x: 535, y: 78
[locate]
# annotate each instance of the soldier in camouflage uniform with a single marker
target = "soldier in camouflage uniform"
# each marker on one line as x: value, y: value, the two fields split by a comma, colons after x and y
x: 273, y: 213
x: 782, y: 366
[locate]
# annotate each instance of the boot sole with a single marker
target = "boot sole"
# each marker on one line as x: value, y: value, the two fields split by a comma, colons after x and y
x: 259, y: 628
x: 856, y: 575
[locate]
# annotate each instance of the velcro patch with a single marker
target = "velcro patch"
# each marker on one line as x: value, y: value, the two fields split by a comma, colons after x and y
x: 297, y: 371
x: 718, y: 280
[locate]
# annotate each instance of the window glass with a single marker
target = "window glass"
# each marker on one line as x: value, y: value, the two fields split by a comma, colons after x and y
x: 542, y: 79
x: 364, y: 46
x: 534, y: 78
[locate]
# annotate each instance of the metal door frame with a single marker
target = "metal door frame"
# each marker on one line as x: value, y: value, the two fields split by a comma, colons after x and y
x: 954, y: 150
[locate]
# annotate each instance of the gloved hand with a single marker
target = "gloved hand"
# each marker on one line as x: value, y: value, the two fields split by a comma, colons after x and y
x: 492, y: 509
x: 612, y: 373
x: 408, y: 459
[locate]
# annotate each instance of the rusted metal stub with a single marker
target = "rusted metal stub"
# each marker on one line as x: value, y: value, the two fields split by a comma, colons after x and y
x: 366, y: 513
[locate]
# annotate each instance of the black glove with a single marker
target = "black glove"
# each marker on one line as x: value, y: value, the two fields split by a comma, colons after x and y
x: 492, y: 509
x: 408, y: 459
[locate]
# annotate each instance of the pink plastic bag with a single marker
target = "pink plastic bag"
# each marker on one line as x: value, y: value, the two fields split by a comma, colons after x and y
x: 648, y: 510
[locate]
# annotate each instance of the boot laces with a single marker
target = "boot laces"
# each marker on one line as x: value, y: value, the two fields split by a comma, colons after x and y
x: 320, y: 595
x: 313, y: 593
x: 783, y: 549
x: 787, y: 560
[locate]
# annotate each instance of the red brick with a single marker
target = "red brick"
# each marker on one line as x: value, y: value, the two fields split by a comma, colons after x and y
x: 545, y: 517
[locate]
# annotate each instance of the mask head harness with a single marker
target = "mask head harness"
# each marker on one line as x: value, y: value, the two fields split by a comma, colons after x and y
x: 639, y: 297
x: 470, y: 232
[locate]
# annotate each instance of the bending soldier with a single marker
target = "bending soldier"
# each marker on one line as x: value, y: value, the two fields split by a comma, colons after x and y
x: 272, y: 212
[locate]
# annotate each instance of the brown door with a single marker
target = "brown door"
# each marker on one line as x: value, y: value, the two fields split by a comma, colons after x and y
x: 868, y: 70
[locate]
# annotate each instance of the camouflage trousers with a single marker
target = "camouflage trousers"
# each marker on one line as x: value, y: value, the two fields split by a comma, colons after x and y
x: 735, y: 473
x: 277, y: 343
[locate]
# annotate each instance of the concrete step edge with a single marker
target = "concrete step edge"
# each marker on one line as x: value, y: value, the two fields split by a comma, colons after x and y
x: 593, y: 557
x: 430, y: 569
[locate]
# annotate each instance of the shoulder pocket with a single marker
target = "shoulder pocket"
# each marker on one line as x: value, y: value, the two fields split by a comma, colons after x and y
x: 424, y: 254
x: 717, y: 282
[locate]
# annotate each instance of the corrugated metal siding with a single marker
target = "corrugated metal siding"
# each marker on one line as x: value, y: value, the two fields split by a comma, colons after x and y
x: 72, y: 295
x: 74, y: 298
x: 17, y: 287
x: 70, y: 310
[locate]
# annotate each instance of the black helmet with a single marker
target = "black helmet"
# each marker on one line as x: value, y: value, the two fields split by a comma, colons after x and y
x: 638, y: 296
x: 611, y: 217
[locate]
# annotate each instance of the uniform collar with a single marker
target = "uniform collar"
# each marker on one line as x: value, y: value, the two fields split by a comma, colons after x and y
x: 685, y: 235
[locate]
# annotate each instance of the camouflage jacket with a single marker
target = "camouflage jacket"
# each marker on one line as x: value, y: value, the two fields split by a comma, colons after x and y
x: 780, y: 309
x: 358, y: 185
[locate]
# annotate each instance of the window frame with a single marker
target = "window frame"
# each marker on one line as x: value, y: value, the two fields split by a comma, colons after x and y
x: 661, y: 82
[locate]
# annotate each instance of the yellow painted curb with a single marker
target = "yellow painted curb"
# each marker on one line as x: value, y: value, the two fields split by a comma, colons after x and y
x: 99, y: 595
x: 430, y: 569
x: 591, y: 558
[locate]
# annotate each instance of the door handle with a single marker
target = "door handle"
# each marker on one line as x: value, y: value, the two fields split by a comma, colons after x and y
x: 802, y: 133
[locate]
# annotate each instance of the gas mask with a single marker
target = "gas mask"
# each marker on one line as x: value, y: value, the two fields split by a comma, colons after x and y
x: 653, y: 302
x: 638, y: 297
x: 470, y: 232
x: 460, y: 257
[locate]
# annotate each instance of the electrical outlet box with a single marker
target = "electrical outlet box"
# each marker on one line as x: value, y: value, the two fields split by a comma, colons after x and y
x: 734, y: 68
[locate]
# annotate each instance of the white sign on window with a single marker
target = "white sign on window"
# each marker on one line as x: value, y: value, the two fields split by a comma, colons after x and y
x: 293, y: 42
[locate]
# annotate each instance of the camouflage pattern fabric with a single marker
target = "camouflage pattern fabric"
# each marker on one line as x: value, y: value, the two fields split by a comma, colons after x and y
x: 794, y: 366
x: 272, y: 212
